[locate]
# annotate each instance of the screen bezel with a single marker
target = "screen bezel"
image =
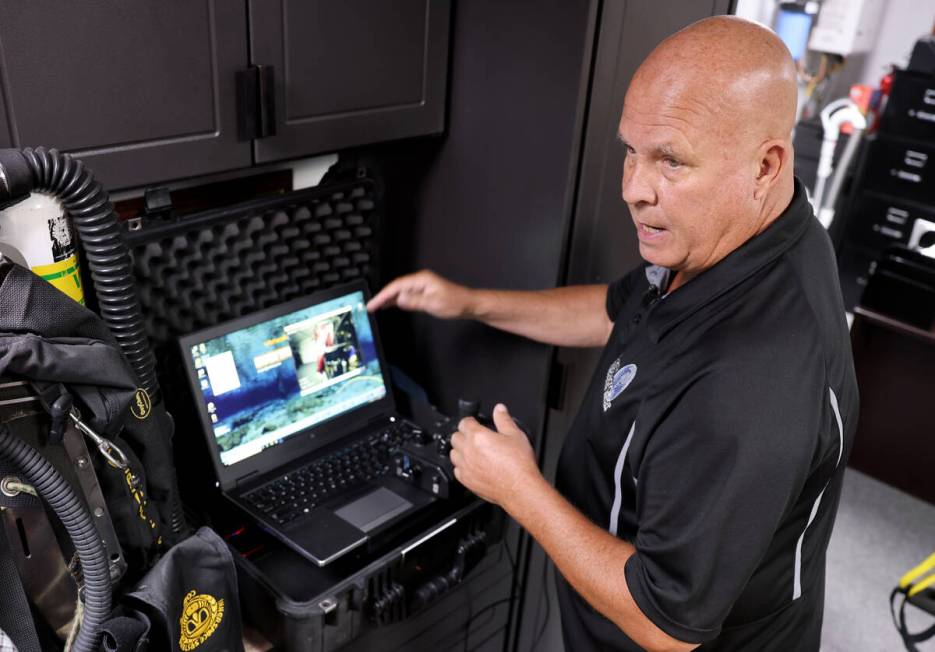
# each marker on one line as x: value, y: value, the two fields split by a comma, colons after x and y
x: 304, y: 441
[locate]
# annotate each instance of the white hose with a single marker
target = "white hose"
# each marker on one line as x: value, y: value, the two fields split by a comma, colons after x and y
x: 832, y: 117
x: 826, y: 214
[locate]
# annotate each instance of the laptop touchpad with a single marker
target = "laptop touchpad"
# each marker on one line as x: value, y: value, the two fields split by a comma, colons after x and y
x: 373, y: 509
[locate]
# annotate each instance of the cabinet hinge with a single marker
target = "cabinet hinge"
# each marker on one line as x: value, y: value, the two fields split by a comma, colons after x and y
x: 256, y: 99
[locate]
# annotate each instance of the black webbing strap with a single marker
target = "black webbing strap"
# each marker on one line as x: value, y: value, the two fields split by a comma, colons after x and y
x: 15, y: 618
x: 899, y: 619
x: 57, y: 402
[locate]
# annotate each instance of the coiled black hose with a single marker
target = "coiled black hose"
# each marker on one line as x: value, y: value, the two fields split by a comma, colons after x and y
x: 87, y: 204
x: 92, y: 213
x: 49, y: 484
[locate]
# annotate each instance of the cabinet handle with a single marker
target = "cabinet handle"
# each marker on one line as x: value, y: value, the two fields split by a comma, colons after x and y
x: 256, y: 98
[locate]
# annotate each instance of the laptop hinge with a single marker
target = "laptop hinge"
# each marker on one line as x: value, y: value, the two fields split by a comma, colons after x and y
x: 242, y: 479
x: 376, y: 419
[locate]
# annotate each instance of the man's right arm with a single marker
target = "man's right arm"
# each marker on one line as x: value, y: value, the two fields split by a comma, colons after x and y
x: 567, y: 316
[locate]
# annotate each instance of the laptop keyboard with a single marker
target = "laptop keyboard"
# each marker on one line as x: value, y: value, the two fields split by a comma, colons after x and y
x: 291, y: 496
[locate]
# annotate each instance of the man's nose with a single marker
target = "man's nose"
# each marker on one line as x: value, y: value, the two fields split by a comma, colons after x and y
x: 636, y: 185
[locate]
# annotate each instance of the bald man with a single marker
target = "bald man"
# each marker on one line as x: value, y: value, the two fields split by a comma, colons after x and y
x: 697, y: 487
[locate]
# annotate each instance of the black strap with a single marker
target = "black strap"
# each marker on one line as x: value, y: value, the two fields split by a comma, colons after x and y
x: 15, y: 617
x: 57, y: 402
x: 899, y: 619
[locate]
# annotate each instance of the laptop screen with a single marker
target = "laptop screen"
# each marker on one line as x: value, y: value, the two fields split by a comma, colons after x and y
x: 263, y: 383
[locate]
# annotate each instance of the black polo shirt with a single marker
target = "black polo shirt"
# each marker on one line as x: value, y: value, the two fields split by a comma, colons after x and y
x: 714, y: 437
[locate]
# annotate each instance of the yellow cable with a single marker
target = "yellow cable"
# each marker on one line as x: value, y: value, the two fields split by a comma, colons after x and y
x: 918, y: 571
x: 921, y: 586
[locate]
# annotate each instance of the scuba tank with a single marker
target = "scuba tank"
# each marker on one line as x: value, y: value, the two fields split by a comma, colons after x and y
x: 36, y: 234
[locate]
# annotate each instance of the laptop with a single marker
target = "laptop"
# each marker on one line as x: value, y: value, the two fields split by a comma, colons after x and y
x: 300, y: 421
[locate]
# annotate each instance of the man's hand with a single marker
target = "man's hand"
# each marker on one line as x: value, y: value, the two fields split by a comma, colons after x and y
x: 569, y: 316
x: 424, y: 291
x: 493, y: 464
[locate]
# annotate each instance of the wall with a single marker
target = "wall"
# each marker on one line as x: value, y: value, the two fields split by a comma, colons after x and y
x: 760, y: 11
x: 904, y: 21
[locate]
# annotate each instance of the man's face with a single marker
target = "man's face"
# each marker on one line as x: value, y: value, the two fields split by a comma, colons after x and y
x: 684, y: 179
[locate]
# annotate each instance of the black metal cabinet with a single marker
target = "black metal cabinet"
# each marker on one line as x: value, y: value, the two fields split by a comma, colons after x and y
x: 352, y: 72
x: 145, y: 92
x: 141, y: 91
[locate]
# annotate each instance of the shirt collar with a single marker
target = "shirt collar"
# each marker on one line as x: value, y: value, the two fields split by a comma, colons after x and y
x: 658, y: 278
x: 740, y: 264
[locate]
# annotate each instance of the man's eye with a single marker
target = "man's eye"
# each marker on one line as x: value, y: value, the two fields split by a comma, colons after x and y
x: 671, y: 163
x: 630, y: 149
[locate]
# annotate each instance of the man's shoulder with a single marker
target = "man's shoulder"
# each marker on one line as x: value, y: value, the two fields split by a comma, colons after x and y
x: 798, y: 293
x: 788, y: 319
x: 812, y: 265
x: 770, y: 316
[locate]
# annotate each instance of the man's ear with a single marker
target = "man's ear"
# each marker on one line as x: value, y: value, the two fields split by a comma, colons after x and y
x: 773, y: 157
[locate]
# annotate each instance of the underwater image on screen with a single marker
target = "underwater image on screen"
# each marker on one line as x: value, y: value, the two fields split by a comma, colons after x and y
x: 266, y: 382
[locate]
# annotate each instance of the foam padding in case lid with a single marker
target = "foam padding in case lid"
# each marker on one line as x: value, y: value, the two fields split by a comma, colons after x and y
x: 210, y: 267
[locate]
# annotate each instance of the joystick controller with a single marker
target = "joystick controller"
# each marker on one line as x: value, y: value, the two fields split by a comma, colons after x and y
x: 468, y: 408
x: 424, y: 459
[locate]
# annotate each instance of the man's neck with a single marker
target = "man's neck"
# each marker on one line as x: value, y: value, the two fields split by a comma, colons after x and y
x: 776, y: 204
x: 680, y: 279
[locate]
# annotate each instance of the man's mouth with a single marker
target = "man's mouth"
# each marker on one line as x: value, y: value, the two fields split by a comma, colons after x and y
x: 648, y: 230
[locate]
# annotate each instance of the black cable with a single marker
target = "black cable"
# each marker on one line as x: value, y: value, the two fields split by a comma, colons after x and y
x: 517, y: 588
x: 493, y: 605
x: 509, y: 554
x: 548, y: 602
x: 470, y: 618
x: 73, y: 514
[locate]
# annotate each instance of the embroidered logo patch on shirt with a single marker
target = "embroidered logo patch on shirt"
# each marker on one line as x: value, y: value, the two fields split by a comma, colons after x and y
x: 618, y: 378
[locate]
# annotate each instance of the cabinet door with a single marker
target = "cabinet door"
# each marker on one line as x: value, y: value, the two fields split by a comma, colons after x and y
x: 350, y: 72
x: 141, y: 91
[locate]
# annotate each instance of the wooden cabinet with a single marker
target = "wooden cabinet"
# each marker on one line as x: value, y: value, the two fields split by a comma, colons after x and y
x: 894, y: 363
x: 146, y: 92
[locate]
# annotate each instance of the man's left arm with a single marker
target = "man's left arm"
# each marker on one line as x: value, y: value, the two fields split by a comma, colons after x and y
x: 501, y: 468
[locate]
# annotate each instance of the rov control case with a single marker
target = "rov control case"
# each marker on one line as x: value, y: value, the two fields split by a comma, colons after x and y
x: 405, y: 590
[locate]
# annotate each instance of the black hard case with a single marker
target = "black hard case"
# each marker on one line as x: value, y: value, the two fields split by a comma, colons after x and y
x: 368, y: 602
x: 200, y: 270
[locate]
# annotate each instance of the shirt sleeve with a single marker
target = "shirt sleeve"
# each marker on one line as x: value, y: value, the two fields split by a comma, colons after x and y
x: 715, y: 480
x: 620, y: 290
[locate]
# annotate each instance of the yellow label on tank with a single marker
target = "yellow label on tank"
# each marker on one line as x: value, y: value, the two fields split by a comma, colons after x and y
x: 64, y: 276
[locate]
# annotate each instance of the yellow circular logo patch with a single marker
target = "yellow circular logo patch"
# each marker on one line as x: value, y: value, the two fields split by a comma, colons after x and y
x: 142, y: 405
x: 201, y: 615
